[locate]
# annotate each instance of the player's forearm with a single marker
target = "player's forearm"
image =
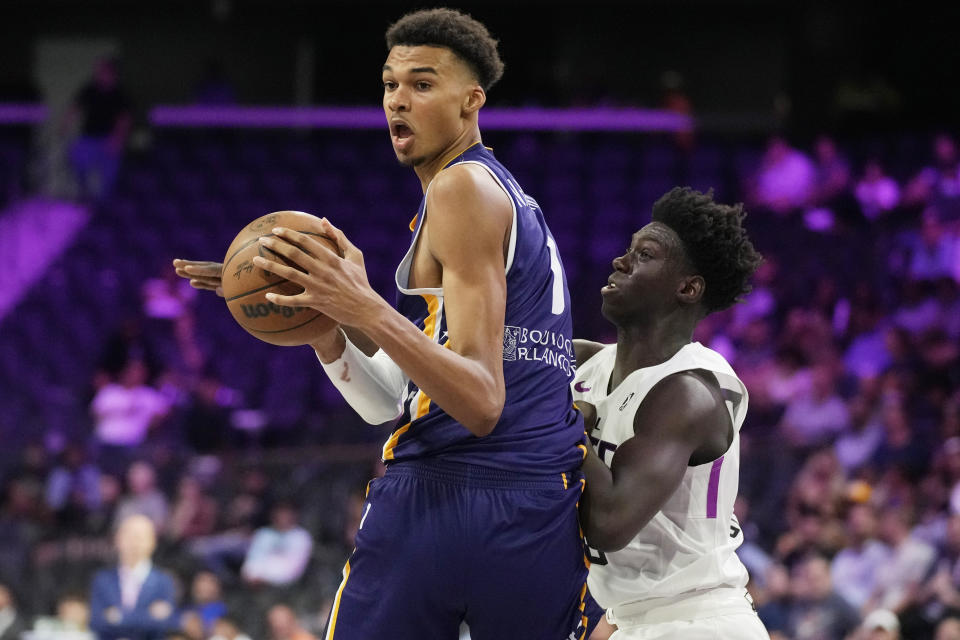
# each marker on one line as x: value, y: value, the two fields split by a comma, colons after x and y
x: 597, y: 508
x: 467, y: 388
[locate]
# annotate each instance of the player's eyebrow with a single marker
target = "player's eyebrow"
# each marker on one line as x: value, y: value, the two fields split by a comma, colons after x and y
x: 387, y: 67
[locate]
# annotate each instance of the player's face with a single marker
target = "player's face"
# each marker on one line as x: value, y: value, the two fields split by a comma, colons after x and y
x: 424, y: 92
x: 645, y: 279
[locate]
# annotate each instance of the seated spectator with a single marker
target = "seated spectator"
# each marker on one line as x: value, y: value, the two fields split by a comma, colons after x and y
x: 854, y: 569
x: 858, y: 444
x: 877, y: 193
x: 880, y: 625
x: 11, y: 622
x: 832, y: 172
x: 226, y: 628
x: 124, y: 412
x: 73, y: 487
x: 816, y: 611
x: 785, y: 179
x: 816, y: 418
x: 72, y: 621
x: 207, y: 599
x: 934, y: 255
x: 284, y: 625
x: 194, y: 513
x: 143, y: 497
x: 939, y: 183
x: 948, y: 629
x: 899, y: 580
x: 134, y: 600
x: 278, y: 553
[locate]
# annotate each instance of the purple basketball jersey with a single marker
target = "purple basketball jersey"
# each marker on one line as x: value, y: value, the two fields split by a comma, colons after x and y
x: 539, y: 428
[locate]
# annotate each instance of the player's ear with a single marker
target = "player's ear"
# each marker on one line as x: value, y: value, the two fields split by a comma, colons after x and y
x: 691, y: 289
x: 475, y: 99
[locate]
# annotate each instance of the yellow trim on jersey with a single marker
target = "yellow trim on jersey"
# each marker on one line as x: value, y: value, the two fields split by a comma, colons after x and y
x: 585, y: 453
x: 423, y: 400
x: 413, y: 223
x: 564, y: 476
x: 336, y: 602
x: 583, y: 613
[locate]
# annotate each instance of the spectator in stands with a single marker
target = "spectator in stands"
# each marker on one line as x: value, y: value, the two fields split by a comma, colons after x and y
x: 785, y: 180
x: 832, y: 178
x: 284, y: 625
x: 817, y: 417
x: 194, y: 513
x: 877, y: 193
x: 207, y: 599
x: 858, y: 444
x: 902, y: 448
x: 278, y: 553
x: 11, y: 623
x: 125, y: 411
x: 134, y: 600
x: 73, y: 488
x: 143, y: 496
x: 900, y: 579
x: 948, y: 629
x: 935, y: 253
x: 816, y: 611
x: 879, y: 625
x: 104, y: 111
x: 854, y: 569
x: 73, y: 618
x: 938, y: 184
x: 226, y: 628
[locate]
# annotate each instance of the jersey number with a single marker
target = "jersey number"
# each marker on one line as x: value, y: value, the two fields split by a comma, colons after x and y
x: 558, y: 302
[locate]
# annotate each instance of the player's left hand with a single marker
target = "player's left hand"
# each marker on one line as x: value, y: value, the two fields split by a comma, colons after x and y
x: 335, y: 286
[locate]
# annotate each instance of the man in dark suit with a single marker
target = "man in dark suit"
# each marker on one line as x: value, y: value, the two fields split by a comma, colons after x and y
x: 135, y: 600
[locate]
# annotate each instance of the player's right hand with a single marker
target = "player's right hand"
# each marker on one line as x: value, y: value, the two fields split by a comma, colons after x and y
x: 202, y: 275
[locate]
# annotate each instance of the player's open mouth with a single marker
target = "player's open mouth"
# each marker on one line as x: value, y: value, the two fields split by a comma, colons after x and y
x: 611, y: 285
x: 402, y: 134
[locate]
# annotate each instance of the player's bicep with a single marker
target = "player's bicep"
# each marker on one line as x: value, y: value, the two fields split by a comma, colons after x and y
x: 585, y: 349
x: 469, y: 218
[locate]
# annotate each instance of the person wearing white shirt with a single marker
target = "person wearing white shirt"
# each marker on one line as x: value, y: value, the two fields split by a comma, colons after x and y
x: 279, y: 553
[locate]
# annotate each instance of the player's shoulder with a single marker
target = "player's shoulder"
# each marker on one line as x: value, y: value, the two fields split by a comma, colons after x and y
x: 586, y: 349
x: 466, y: 181
x: 692, y: 396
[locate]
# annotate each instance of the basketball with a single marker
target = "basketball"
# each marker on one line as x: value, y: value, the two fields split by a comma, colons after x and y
x: 245, y: 286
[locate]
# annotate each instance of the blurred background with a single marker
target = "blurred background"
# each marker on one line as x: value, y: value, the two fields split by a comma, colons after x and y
x: 132, y: 133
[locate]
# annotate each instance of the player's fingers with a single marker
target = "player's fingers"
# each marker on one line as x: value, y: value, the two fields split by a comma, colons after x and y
x: 282, y: 270
x: 205, y: 285
x: 205, y: 269
x: 285, y: 301
x: 347, y: 248
x: 303, y: 243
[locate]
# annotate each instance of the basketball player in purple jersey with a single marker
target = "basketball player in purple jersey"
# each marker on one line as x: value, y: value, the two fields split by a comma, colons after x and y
x: 664, y: 415
x: 475, y: 519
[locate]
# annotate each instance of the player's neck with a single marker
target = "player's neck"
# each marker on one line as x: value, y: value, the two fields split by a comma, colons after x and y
x: 647, y: 346
x: 428, y: 170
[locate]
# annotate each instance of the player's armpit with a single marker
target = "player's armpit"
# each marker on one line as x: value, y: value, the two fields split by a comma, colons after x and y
x: 677, y: 418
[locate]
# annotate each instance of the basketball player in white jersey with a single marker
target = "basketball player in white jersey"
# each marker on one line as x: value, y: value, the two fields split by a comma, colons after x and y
x: 664, y: 415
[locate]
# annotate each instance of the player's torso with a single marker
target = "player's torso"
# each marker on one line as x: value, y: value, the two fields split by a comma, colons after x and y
x: 690, y: 544
x: 538, y: 428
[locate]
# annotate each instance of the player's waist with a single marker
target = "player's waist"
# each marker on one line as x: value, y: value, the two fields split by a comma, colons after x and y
x: 691, y: 606
x: 472, y: 475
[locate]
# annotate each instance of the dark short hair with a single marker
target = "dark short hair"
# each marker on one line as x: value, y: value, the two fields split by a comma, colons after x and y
x: 467, y: 38
x: 715, y: 243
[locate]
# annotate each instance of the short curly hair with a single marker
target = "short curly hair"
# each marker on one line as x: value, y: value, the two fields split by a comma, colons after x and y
x: 714, y: 241
x: 460, y: 33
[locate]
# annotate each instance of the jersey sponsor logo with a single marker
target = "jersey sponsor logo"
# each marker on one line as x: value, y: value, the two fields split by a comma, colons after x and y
x: 581, y: 387
x: 536, y: 345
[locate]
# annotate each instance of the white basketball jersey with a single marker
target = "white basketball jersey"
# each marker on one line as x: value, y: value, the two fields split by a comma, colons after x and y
x: 690, y: 544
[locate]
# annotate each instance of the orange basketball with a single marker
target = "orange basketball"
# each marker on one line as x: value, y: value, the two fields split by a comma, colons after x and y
x: 245, y: 286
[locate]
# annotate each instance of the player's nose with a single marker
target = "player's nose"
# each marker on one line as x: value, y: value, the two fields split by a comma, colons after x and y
x: 398, y: 100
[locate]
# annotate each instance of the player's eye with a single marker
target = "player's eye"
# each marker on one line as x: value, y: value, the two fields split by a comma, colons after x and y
x: 423, y: 86
x: 389, y: 85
